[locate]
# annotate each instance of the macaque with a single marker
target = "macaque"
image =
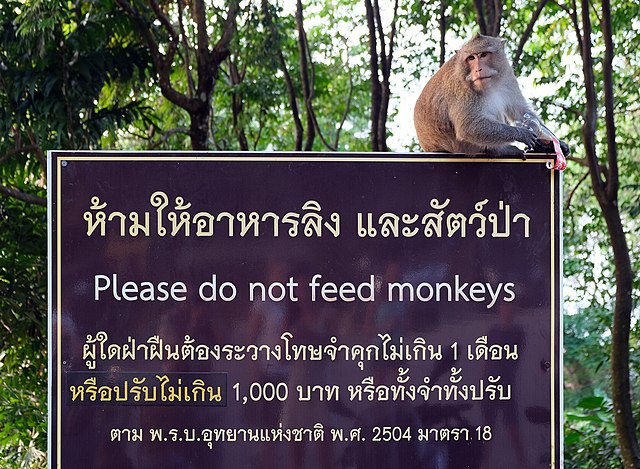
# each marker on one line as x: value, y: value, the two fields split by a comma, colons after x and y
x: 471, y: 103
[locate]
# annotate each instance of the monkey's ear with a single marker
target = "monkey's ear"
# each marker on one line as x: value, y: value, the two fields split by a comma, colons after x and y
x: 502, y: 42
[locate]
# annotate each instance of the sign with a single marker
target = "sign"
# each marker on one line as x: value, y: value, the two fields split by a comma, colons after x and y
x: 304, y: 310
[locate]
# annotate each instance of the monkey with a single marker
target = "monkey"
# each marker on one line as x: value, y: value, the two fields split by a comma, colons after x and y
x: 468, y: 106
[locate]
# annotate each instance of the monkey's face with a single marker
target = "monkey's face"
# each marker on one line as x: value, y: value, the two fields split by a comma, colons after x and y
x: 481, y: 72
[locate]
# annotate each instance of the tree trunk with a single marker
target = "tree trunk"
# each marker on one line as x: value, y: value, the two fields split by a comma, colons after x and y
x: 605, y: 183
x: 443, y: 31
x: 199, y: 127
x: 293, y: 102
x: 376, y: 90
x: 620, y: 383
x: 291, y: 91
x: 527, y: 33
x: 380, y: 60
x: 307, y: 91
x: 489, y: 15
x: 237, y: 105
x: 623, y: 306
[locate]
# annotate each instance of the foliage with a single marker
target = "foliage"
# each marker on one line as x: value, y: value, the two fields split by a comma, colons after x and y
x: 590, y: 435
x: 23, y: 407
x: 56, y: 59
x: 23, y: 280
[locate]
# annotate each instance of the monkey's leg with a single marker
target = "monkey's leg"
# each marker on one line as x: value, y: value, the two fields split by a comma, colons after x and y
x: 506, y: 150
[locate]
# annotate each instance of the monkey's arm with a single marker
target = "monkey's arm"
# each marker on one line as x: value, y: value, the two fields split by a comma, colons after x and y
x: 491, y: 134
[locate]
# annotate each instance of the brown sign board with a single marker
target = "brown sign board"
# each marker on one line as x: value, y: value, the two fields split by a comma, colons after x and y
x: 226, y: 310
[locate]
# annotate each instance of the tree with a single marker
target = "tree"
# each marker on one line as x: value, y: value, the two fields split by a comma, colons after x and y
x: 381, y: 59
x: 56, y: 61
x: 276, y: 41
x: 23, y: 351
x: 605, y: 184
x: 248, y: 86
x: 489, y: 15
x: 175, y: 43
x: 309, y: 78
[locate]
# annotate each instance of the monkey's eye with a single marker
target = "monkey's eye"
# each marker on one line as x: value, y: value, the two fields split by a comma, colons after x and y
x: 471, y: 58
x: 484, y: 54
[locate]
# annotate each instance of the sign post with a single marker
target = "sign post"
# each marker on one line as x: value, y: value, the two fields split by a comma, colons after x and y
x: 304, y: 310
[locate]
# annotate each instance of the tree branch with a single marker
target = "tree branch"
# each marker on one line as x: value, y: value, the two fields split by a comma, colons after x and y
x: 161, y: 62
x: 349, y: 98
x: 580, y: 161
x: 527, y: 32
x: 383, y: 46
x: 333, y: 146
x: 303, y: 48
x: 166, y: 135
x: 221, y: 49
x: 591, y: 112
x: 375, y: 78
x: 291, y: 92
x: 237, y: 106
x: 164, y: 20
x: 443, y: 30
x: 185, y: 45
x: 478, y: 4
x: 293, y: 102
x: 392, y: 39
x: 42, y: 159
x: 584, y: 177
x: 497, y: 17
x: 202, y: 41
x: 347, y: 109
x: 18, y: 151
x: 23, y: 196
x: 610, y: 125
x: 573, y: 14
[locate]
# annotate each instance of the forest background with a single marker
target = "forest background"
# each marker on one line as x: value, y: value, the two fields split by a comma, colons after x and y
x: 326, y: 75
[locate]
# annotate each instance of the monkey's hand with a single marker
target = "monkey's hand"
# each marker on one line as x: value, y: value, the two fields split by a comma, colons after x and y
x: 526, y: 136
x: 565, y: 148
x: 547, y: 147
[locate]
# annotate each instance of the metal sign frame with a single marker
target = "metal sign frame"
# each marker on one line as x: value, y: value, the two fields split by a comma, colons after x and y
x: 66, y: 187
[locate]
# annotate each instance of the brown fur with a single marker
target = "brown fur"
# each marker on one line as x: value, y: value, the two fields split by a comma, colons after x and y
x: 455, y: 114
